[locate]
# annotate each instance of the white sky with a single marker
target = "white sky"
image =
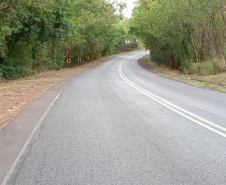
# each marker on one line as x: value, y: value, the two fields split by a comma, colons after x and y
x: 130, y: 6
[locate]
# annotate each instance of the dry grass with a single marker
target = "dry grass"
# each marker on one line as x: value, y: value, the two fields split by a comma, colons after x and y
x: 15, y: 95
x: 213, y: 82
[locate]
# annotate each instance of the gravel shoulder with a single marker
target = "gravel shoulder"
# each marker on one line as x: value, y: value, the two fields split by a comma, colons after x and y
x: 211, y: 82
x: 16, y: 95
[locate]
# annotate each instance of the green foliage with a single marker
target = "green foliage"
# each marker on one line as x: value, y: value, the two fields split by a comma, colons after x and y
x: 204, y: 68
x: 15, y: 68
x: 158, y: 59
x: 37, y: 35
x: 146, y: 57
x: 179, y: 31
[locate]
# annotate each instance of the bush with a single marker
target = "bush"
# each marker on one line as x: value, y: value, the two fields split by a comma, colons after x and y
x: 15, y: 68
x: 157, y: 58
x: 146, y: 57
x: 1, y: 74
x: 204, y: 68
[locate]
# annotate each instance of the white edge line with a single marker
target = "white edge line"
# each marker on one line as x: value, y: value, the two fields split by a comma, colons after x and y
x: 9, y: 174
x: 164, y: 104
x: 182, y: 83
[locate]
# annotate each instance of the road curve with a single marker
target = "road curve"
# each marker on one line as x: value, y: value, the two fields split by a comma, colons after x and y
x: 120, y: 124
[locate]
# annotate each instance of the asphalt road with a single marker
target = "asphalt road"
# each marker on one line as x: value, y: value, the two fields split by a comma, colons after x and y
x: 120, y: 124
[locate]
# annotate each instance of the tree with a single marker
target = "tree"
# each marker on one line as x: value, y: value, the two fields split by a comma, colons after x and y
x: 36, y: 35
x: 181, y: 32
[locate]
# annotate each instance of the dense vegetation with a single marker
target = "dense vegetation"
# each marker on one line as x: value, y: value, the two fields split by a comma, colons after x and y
x: 37, y: 35
x: 184, y: 34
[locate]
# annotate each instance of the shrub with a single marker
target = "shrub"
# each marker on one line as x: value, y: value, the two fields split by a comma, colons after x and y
x: 158, y: 59
x: 203, y: 68
x: 15, y: 68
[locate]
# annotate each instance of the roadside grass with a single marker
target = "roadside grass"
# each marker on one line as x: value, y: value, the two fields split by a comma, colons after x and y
x: 178, y: 78
x: 17, y: 94
x: 147, y: 57
x: 208, y: 85
x: 205, y: 84
x: 203, y: 68
x: 222, y: 89
x: 216, y: 81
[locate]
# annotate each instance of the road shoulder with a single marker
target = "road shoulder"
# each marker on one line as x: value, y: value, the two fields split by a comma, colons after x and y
x: 29, y: 117
x: 16, y: 95
x: 211, y: 82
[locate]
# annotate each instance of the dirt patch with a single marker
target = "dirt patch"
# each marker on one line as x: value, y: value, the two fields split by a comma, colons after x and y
x: 212, y: 82
x: 15, y: 95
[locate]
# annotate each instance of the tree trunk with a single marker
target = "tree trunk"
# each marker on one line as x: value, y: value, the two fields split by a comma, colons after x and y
x: 194, y: 49
x: 70, y: 50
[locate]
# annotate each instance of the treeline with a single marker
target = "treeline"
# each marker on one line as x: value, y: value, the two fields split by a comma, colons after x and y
x: 36, y: 35
x: 189, y: 35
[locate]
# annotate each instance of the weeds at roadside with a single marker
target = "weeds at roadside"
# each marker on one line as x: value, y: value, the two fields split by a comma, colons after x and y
x: 214, y: 81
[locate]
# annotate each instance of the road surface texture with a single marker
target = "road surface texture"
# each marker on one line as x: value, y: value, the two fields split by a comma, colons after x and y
x: 118, y: 124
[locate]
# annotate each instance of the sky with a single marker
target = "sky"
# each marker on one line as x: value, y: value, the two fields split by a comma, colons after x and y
x: 130, y: 6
